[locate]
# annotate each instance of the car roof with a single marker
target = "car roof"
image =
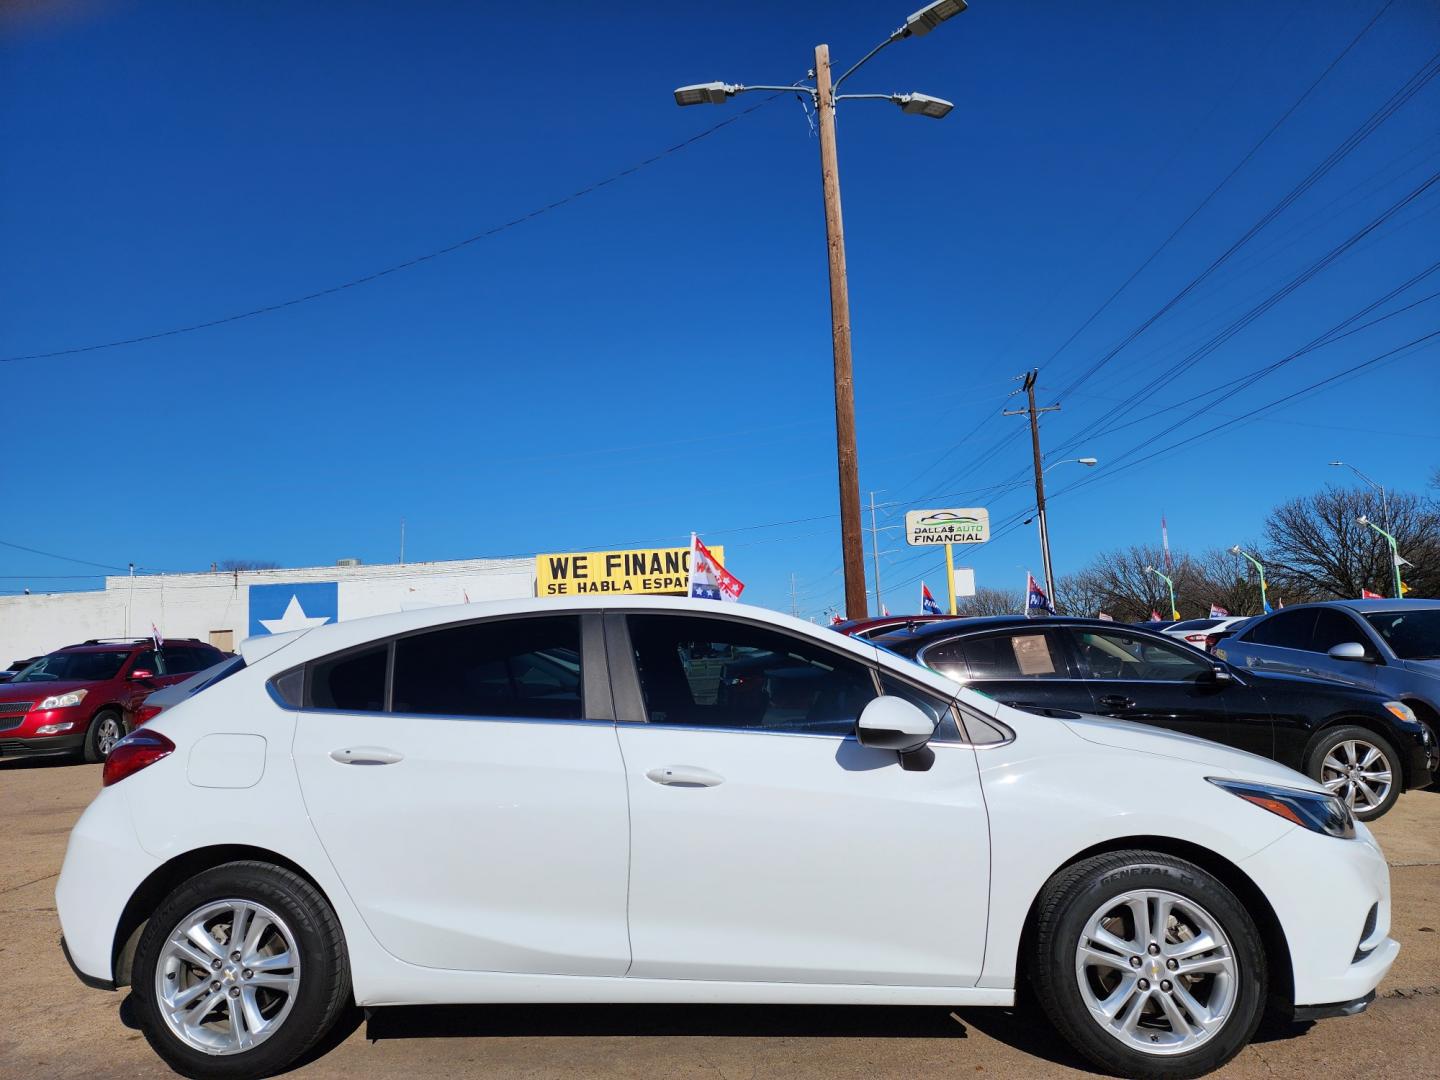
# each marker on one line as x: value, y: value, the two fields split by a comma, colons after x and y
x: 998, y: 622
x: 1387, y: 604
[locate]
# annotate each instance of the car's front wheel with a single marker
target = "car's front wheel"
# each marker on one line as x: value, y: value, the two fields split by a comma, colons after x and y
x: 240, y: 971
x: 105, y: 730
x: 1148, y: 966
x: 1359, y: 766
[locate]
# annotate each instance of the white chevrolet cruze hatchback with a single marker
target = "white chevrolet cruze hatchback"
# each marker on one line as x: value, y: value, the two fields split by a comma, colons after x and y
x: 681, y: 801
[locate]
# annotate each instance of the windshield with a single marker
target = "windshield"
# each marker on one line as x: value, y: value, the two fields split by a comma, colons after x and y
x: 74, y: 667
x: 1413, y: 635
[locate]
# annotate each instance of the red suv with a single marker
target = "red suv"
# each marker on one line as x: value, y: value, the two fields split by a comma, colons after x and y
x: 83, y: 697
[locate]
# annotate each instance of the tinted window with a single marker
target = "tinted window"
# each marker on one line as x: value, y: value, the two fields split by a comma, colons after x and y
x: 1413, y: 635
x: 187, y: 661
x: 148, y: 661
x: 1023, y: 654
x: 1333, y: 627
x: 1194, y: 624
x: 933, y: 706
x: 83, y: 667
x: 726, y: 674
x: 353, y: 681
x: 1113, y: 654
x: 512, y: 668
x: 1284, y: 629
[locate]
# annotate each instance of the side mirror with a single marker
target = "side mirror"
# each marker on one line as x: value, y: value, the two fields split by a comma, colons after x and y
x: 141, y: 675
x: 1349, y: 650
x: 892, y: 723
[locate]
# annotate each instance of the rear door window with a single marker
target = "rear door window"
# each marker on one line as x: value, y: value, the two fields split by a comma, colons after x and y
x: 1284, y: 629
x: 1022, y: 654
x: 523, y: 668
x: 352, y: 682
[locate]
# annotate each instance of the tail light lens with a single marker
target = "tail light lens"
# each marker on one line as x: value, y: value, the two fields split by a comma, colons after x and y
x: 134, y: 752
x: 145, y: 713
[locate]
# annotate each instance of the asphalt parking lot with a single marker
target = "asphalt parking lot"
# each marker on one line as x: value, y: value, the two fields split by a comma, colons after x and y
x: 54, y: 1027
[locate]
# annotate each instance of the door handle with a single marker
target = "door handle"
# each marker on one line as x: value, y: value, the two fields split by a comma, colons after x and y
x: 684, y: 776
x: 1117, y: 701
x: 366, y: 755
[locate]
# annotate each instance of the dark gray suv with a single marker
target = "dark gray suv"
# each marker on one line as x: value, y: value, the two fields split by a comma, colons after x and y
x: 1390, y: 646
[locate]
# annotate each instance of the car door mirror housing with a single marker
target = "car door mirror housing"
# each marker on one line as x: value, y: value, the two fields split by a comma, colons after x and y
x: 892, y: 723
x: 141, y: 675
x: 1349, y: 650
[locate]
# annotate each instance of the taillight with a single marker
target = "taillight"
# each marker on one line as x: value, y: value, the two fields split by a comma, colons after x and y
x: 1195, y: 638
x: 133, y: 753
x: 145, y: 713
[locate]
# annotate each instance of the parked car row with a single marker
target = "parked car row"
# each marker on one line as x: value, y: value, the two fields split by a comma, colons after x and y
x: 669, y: 800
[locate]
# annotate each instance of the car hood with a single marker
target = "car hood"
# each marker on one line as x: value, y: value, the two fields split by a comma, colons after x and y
x: 1238, y: 764
x: 39, y: 691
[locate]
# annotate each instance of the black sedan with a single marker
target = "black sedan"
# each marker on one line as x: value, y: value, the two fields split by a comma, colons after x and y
x: 1355, y: 742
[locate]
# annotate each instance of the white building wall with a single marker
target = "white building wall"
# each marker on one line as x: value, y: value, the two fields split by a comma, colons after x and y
x: 195, y: 605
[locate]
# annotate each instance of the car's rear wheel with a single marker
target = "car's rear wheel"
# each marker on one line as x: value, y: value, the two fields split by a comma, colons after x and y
x: 1359, y: 766
x: 240, y: 971
x: 106, y: 729
x: 1148, y: 966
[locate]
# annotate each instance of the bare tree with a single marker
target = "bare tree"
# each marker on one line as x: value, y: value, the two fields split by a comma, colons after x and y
x: 1230, y: 581
x: 1316, y: 547
x: 230, y: 566
x: 987, y: 601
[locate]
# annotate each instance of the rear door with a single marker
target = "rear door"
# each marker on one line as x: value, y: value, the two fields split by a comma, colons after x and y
x: 467, y: 785
x: 1279, y: 643
x: 1027, y: 667
x: 1146, y: 679
x: 767, y: 844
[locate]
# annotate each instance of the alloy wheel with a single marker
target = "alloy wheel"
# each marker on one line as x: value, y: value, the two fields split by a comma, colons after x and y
x: 228, y: 976
x: 1358, y: 772
x: 1156, y: 971
x: 107, y: 734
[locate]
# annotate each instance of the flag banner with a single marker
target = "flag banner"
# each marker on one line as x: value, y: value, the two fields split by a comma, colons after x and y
x: 708, y: 579
x: 1037, y: 604
x: 1174, y: 614
x: 1366, y: 594
x: 1154, y: 615
x: 884, y: 611
x: 1218, y: 612
x: 155, y: 633
x: 836, y: 620
x: 1105, y: 618
x: 927, y: 602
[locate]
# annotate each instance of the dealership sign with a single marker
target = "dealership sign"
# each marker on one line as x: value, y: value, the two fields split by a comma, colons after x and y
x: 636, y: 572
x: 969, y: 525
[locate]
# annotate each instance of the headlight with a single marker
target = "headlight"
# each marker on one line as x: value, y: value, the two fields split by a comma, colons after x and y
x: 64, y: 701
x: 1401, y: 710
x: 1313, y: 810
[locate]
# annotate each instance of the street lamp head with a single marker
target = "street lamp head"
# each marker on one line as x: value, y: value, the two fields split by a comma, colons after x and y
x: 1337, y: 463
x: 1088, y: 462
x: 923, y: 105
x: 932, y: 15
x: 1235, y: 550
x: 1362, y: 520
x: 1149, y: 569
x: 710, y: 93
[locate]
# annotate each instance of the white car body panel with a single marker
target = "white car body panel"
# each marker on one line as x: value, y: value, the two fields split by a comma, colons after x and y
x: 907, y: 845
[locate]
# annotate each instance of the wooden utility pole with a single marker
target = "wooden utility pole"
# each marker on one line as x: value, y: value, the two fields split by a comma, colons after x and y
x: 850, y: 527
x: 1034, y: 415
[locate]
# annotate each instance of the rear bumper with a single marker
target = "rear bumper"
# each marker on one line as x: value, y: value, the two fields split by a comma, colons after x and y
x: 41, y: 746
x: 92, y: 981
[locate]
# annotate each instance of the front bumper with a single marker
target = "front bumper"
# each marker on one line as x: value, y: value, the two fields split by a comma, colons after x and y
x: 1332, y: 898
x: 41, y: 745
x: 1305, y: 1013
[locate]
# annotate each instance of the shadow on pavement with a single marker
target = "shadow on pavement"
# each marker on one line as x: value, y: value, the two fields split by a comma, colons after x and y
x: 743, y: 1021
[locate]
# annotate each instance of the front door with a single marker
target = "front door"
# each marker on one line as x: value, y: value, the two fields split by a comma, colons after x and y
x: 467, y: 785
x: 767, y: 844
x: 1142, y: 678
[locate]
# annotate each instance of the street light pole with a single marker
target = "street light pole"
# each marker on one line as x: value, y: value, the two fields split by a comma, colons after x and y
x: 1174, y: 611
x: 1034, y: 415
x: 1264, y: 600
x: 824, y: 95
x: 1394, y: 553
x: 850, y: 531
x: 1384, y: 498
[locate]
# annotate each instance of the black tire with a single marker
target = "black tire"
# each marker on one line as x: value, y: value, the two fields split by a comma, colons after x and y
x: 323, y: 992
x: 1075, y: 895
x: 1331, y: 738
x: 105, y: 723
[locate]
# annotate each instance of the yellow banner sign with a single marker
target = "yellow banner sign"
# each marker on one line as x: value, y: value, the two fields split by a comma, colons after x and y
x: 646, y: 570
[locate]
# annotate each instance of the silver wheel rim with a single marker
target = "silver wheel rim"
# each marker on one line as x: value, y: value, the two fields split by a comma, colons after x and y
x: 1359, y: 772
x: 227, y: 977
x: 1157, y: 972
x: 107, y: 734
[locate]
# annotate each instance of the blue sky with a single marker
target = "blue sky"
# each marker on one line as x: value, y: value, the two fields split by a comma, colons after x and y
x: 654, y: 357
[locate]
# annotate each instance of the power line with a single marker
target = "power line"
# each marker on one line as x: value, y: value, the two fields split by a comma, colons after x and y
x: 408, y: 263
